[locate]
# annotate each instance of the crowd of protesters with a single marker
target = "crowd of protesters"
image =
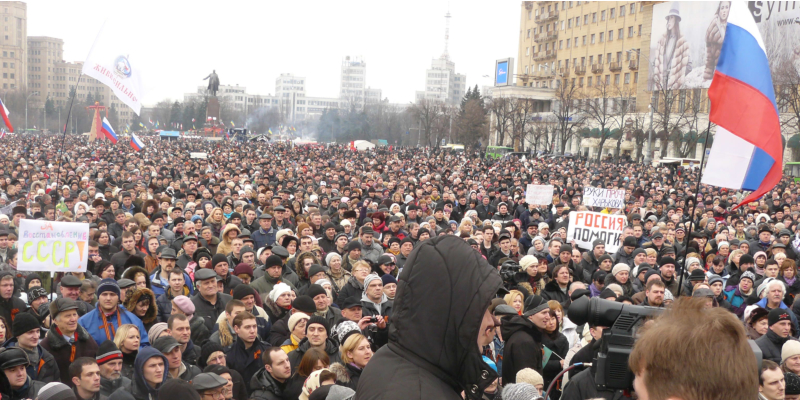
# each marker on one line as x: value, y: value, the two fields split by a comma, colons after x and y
x: 270, y: 271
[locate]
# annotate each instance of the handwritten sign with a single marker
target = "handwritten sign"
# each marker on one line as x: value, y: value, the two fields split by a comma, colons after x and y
x: 605, y: 198
x: 53, y: 246
x: 585, y: 227
x: 539, y: 194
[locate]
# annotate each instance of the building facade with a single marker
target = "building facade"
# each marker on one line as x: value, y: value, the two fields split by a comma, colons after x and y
x: 353, y: 81
x: 13, y: 44
x: 442, y: 83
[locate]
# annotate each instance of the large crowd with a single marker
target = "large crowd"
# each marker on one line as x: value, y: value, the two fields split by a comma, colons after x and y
x: 271, y: 271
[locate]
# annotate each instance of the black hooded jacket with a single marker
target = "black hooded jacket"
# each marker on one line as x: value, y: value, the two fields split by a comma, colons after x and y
x: 140, y: 389
x: 523, y: 347
x: 448, y: 286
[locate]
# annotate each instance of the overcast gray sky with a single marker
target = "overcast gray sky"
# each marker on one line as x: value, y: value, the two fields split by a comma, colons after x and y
x: 251, y: 42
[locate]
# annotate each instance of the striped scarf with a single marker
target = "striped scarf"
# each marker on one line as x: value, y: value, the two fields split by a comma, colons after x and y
x: 72, y: 343
x: 109, y: 326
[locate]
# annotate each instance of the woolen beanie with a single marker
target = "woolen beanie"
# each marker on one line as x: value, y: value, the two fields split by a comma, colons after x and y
x: 692, y: 260
x: 107, y: 285
x: 329, y: 258
x: 315, y: 290
x: 527, y: 261
x: 107, y: 351
x: 792, y: 383
x: 619, y: 268
x: 305, y: 304
x: 777, y: 315
x: 156, y: 330
x: 218, y: 258
x: 206, y: 351
x: 371, y: 277
x: 520, y: 391
x: 242, y: 291
x: 315, y: 269
x: 388, y: 278
x: 24, y: 322
x: 177, y: 389
x: 789, y: 349
x: 529, y: 376
x: 747, y: 259
x: 185, y: 305
x: 278, y: 290
x: 55, y: 391
x: 321, y: 321
x: 273, y: 261
x: 294, y: 319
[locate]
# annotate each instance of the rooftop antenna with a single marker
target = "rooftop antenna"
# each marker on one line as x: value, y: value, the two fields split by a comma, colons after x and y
x: 446, y: 55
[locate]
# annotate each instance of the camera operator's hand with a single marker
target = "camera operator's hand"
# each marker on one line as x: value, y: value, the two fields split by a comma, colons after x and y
x: 363, y: 323
x: 381, y: 322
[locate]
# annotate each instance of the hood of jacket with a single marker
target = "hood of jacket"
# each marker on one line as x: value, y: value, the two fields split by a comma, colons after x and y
x: 130, y: 273
x: 444, y: 276
x: 518, y: 323
x: 152, y: 311
x: 146, y: 353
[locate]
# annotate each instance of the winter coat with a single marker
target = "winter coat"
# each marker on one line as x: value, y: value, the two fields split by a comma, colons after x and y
x: 246, y: 361
x: 46, y: 370
x: 771, y: 345
x: 264, y: 284
x: 715, y: 34
x: 338, y: 283
x: 200, y: 332
x: 621, y: 257
x: 372, y: 252
x: 346, y: 375
x: 627, y: 287
x: 331, y: 349
x: 160, y: 287
x: 552, y: 291
x: 736, y: 299
x: 209, y: 311
x: 368, y: 308
x: 441, y: 360
x: 93, y: 323
x: 763, y: 304
x: 274, y: 313
x: 264, y: 386
x: 523, y: 348
x: 108, y: 386
x: 29, y: 391
x: 151, y: 315
x: 352, y: 288
x: 582, y: 386
x: 62, y: 350
x: 678, y: 68
x: 263, y: 238
x: 559, y: 344
x: 9, y: 309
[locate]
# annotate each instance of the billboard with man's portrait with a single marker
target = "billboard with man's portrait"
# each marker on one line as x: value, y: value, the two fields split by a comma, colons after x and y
x: 687, y: 38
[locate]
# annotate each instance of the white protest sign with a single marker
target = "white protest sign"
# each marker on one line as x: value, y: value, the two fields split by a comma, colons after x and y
x: 539, y: 194
x: 198, y: 155
x: 586, y: 227
x: 605, y: 198
x: 53, y: 246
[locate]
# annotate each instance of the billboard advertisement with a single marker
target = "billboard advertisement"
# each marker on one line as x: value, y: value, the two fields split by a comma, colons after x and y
x: 503, y: 71
x: 687, y: 37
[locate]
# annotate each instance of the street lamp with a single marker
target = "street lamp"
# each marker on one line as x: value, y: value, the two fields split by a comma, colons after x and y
x: 26, y: 109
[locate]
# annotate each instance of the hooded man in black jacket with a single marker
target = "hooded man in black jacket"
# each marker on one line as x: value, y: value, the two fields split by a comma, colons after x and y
x: 447, y: 282
x: 148, y: 376
x: 523, y: 335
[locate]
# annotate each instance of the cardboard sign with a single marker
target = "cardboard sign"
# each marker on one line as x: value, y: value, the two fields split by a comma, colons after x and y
x: 585, y: 227
x: 53, y: 246
x: 539, y: 194
x: 605, y: 198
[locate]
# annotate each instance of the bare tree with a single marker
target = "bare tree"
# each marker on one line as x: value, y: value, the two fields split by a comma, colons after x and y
x: 502, y: 110
x: 599, y: 107
x: 693, y: 115
x: 522, y: 109
x: 429, y: 114
x: 786, y: 78
x: 625, y: 107
x: 668, y: 107
x: 567, y: 113
x: 541, y: 132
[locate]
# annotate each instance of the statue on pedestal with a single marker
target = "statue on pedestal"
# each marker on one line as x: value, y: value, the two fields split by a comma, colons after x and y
x: 213, y: 83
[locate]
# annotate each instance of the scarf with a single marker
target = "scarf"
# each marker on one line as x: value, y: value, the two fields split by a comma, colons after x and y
x: 789, y: 282
x: 72, y: 344
x: 108, y: 326
x: 759, y: 271
x: 323, y: 312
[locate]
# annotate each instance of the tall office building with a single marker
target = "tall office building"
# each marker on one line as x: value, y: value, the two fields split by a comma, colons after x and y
x: 442, y: 83
x: 13, y: 46
x: 353, y: 81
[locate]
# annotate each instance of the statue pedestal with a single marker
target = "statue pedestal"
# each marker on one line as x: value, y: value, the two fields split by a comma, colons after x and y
x: 212, y: 111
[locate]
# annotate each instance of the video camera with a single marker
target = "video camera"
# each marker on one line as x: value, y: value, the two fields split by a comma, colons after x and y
x: 512, y: 273
x: 622, y: 322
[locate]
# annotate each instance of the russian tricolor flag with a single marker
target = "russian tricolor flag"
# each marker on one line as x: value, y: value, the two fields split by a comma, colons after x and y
x: 747, y: 152
x: 4, y: 113
x: 108, y: 131
x: 136, y: 143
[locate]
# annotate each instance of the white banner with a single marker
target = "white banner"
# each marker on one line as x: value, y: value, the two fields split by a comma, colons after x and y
x: 198, y: 155
x: 53, y: 246
x: 539, y: 194
x: 110, y: 63
x: 605, y: 198
x: 585, y: 227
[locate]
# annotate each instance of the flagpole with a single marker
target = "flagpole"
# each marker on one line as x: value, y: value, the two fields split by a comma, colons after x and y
x: 694, y: 206
x: 60, y: 161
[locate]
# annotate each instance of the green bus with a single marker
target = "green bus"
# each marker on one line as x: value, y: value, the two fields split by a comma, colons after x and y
x: 496, y: 152
x: 792, y: 169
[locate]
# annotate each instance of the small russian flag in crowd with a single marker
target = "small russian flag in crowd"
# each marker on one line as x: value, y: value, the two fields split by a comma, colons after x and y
x: 747, y: 151
x: 136, y: 143
x: 4, y: 112
x: 108, y: 131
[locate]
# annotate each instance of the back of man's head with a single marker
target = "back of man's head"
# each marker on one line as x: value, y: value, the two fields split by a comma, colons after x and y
x: 688, y: 341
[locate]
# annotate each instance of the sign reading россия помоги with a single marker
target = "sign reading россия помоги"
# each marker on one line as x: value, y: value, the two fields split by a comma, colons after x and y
x: 585, y: 227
